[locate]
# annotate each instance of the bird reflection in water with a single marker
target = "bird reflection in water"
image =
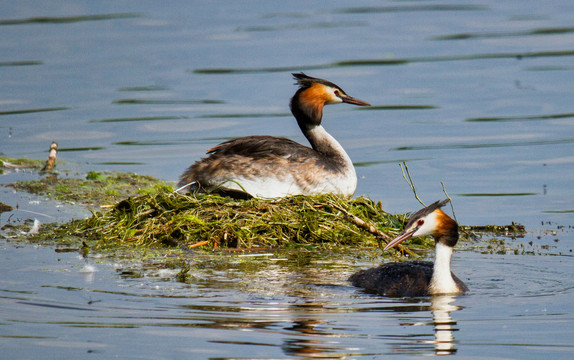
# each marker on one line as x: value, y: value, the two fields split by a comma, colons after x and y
x: 444, y: 325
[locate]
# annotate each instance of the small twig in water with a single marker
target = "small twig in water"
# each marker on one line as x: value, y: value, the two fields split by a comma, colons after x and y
x: 368, y: 227
x: 409, y: 180
x: 448, y: 197
x: 361, y: 223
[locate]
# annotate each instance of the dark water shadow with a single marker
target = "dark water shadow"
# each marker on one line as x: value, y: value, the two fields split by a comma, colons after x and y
x: 378, y: 10
x: 497, y: 194
x: 397, y: 107
x: 300, y: 26
x: 389, y: 62
x: 143, y: 118
x: 549, y: 68
x: 69, y: 19
x: 145, y: 143
x: 408, y: 8
x: 28, y: 111
x: 165, y: 102
x: 247, y: 115
x: 73, y: 149
x: 21, y: 63
x: 144, y: 88
x: 485, y: 145
x: 123, y: 163
x: 521, y: 118
x: 504, y: 34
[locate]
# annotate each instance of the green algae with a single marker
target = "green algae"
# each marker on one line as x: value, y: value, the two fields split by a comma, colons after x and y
x: 7, y: 163
x: 94, y: 190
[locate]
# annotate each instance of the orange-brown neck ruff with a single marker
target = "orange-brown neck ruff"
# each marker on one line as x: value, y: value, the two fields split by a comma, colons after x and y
x: 447, y: 231
x: 311, y: 102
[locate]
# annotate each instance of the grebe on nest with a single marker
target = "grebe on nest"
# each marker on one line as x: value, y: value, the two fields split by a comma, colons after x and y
x: 269, y: 167
x: 418, y: 278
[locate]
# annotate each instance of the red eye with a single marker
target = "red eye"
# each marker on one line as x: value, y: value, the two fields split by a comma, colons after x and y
x: 420, y: 222
x: 337, y: 93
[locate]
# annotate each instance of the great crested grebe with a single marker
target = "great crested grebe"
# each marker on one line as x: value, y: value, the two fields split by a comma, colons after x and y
x: 418, y: 278
x: 269, y: 167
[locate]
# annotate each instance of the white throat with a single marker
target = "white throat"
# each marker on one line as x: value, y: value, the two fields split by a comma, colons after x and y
x: 323, y: 140
x: 343, y: 182
x: 442, y: 281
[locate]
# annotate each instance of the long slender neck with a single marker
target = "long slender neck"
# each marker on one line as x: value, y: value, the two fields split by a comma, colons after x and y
x: 324, y: 143
x: 442, y: 281
x: 309, y: 118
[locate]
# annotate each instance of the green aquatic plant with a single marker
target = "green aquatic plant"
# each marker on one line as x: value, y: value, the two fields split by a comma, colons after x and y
x: 212, y: 221
x: 95, y: 189
x: 134, y: 212
x: 130, y: 210
x: 10, y: 164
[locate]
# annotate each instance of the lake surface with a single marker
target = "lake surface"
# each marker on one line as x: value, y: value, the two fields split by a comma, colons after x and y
x: 477, y: 95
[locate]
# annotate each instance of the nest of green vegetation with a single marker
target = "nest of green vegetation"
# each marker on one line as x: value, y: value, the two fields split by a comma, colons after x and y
x: 212, y: 222
x: 96, y: 188
x: 151, y: 215
x: 7, y: 163
x: 146, y: 213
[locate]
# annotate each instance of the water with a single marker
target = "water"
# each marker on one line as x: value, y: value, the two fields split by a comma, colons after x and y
x: 476, y: 95
x: 265, y: 307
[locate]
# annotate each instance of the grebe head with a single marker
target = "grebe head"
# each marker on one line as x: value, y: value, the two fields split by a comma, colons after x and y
x: 313, y: 94
x: 432, y: 221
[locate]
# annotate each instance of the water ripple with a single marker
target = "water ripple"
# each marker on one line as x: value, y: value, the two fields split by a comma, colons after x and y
x: 165, y: 102
x: 497, y: 194
x: 249, y: 115
x: 521, y: 118
x: 502, y: 34
x: 68, y: 19
x: 390, y: 62
x: 411, y: 8
x: 298, y: 26
x: 143, y: 118
x: 486, y: 145
x: 21, y: 63
x: 398, y: 107
x: 27, y: 111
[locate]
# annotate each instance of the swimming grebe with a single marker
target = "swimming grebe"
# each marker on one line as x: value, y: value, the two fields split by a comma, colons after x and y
x: 269, y: 167
x: 418, y: 278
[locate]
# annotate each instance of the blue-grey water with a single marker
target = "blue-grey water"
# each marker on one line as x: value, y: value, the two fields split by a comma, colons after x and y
x: 477, y: 95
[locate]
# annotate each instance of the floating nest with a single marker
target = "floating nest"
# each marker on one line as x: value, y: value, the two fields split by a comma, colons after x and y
x: 214, y: 222
x: 153, y: 216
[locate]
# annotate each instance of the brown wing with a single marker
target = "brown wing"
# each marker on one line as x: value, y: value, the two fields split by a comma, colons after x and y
x: 261, y: 146
x: 250, y: 156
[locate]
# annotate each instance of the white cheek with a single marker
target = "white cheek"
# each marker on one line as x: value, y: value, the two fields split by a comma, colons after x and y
x: 334, y: 99
x: 428, y: 227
